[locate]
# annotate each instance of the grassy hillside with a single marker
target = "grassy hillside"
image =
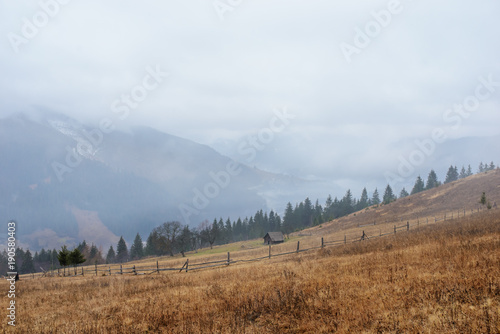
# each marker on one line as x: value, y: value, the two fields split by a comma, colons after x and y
x: 448, y: 198
x: 440, y: 278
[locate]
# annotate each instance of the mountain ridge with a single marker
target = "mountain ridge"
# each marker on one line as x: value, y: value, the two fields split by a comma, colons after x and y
x: 127, y: 182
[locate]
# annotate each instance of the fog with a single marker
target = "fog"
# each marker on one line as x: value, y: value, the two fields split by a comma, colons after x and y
x: 365, y: 83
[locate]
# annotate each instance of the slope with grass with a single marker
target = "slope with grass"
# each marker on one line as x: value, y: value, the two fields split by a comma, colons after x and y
x: 453, y: 197
x: 440, y: 278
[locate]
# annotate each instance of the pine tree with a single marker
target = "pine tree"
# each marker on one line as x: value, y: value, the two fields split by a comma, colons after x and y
x: 215, y: 232
x: 82, y: 247
x: 53, y: 257
x: 363, y: 200
x: 288, y: 219
x: 432, y: 180
x: 150, y: 248
x: 328, y: 209
x: 419, y: 186
x: 94, y: 255
x: 111, y: 256
x: 63, y: 257
x: 28, y: 265
x: 469, y: 171
x: 137, y: 250
x: 483, y: 200
x: 375, y: 197
x: 388, y: 195
x: 481, y: 167
x: 121, y: 251
x: 403, y: 193
x: 184, y: 240
x: 451, y: 175
x: 76, y: 257
x: 463, y: 173
x: 238, y: 231
x: 491, y: 166
x: 229, y: 231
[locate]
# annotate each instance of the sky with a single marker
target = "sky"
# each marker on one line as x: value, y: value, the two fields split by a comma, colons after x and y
x: 341, y: 91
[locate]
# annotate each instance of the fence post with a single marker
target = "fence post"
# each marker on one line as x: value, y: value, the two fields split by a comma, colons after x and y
x: 133, y: 270
x: 228, y: 258
x: 345, y: 239
x: 407, y: 225
x: 435, y: 220
x: 269, y: 251
x: 322, y: 242
x: 298, y: 246
x: 96, y: 268
x: 109, y: 270
x: 82, y: 272
x: 187, y: 264
x: 394, y: 229
x: 157, y: 268
x: 121, y: 271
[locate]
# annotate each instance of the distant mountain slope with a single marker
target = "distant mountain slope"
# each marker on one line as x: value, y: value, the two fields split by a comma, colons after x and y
x: 450, y: 197
x: 57, y: 176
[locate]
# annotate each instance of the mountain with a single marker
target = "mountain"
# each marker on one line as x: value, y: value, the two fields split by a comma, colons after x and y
x: 63, y: 181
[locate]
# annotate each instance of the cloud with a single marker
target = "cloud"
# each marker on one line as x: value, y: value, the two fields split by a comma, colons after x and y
x: 228, y: 75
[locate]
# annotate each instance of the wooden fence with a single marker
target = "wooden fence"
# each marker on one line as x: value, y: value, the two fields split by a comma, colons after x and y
x: 102, y: 270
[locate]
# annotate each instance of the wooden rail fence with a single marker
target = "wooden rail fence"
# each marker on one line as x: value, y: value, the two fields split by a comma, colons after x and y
x: 189, y: 266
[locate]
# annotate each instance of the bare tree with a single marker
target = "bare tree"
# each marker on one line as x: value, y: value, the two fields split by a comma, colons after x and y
x: 168, y: 234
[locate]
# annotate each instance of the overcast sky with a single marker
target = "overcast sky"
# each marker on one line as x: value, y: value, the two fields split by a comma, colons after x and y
x: 362, y: 79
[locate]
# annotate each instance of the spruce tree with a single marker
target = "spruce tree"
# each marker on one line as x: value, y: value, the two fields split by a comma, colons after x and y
x: 451, y: 175
x: 363, y: 200
x: 229, y: 230
x: 28, y: 265
x: 482, y: 200
x: 137, y: 250
x: 121, y: 251
x: 469, y: 171
x: 63, y: 257
x: 403, y: 193
x: 419, y: 186
x: 111, y: 256
x: 94, y: 255
x: 288, y: 219
x: 432, y: 180
x: 463, y: 173
x: 151, y: 245
x: 388, y: 195
x: 76, y: 257
x: 375, y: 197
x: 184, y: 240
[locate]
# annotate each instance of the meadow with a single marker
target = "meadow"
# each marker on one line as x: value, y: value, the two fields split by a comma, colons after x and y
x: 440, y: 278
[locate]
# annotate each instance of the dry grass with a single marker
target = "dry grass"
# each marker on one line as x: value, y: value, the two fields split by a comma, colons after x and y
x: 443, y: 278
x: 447, y: 198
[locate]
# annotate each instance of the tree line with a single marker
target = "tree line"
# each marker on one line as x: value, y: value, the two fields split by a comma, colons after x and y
x: 27, y: 263
x: 172, y: 237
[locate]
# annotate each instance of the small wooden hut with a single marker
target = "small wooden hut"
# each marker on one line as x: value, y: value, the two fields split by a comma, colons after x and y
x: 272, y: 238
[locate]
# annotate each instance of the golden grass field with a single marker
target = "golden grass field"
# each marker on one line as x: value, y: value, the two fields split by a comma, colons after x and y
x: 439, y: 278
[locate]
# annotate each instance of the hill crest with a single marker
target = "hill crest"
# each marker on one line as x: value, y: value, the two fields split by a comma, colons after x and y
x: 463, y: 194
